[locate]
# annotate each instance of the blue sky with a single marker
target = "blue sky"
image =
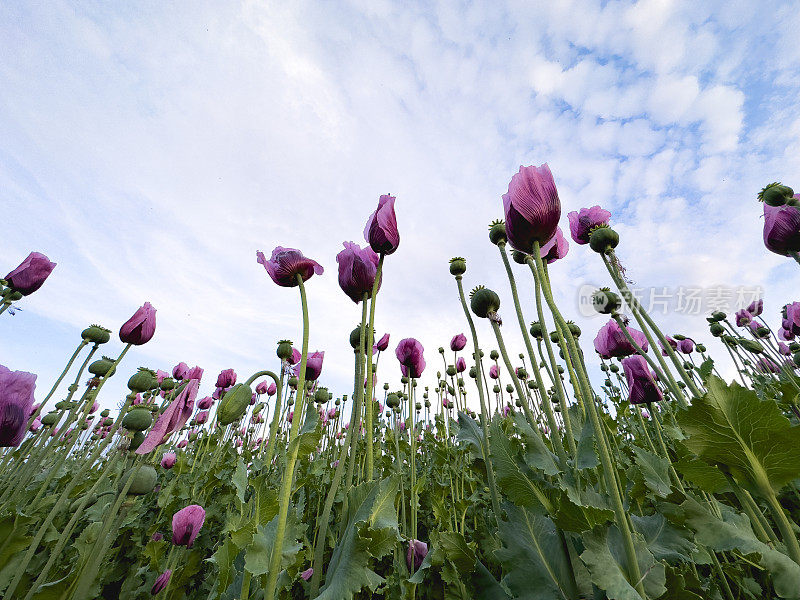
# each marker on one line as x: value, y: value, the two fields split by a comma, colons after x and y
x: 150, y: 150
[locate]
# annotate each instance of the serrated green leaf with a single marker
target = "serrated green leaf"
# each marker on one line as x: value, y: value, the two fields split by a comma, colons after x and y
x: 259, y: 552
x: 470, y: 432
x: 537, y: 454
x: 240, y: 479
x: 515, y: 479
x: 308, y: 438
x: 664, y: 540
x: 654, y: 469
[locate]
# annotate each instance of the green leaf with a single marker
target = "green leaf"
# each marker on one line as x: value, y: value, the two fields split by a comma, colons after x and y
x: 308, y: 438
x: 537, y: 454
x: 534, y: 562
x: 485, y: 585
x: 458, y: 551
x: 240, y: 479
x: 259, y: 552
x: 470, y: 432
x: 664, y: 540
x: 223, y: 558
x: 607, y: 562
x: 587, y: 455
x: 514, y: 477
x: 729, y: 425
x: 706, y: 368
x: 654, y: 469
x: 706, y: 477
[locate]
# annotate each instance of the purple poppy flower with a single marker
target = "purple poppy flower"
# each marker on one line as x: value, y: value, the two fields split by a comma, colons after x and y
x: 584, y: 221
x: 383, y: 343
x: 271, y: 389
x: 161, y: 375
x: 672, y: 344
x: 172, y: 419
x: 461, y: 365
x: 793, y: 318
x: 611, y: 342
x: 642, y: 387
x: 782, y: 228
x: 161, y: 582
x: 357, y: 271
x: 754, y: 326
x: 186, y: 524
x: 313, y: 366
x: 743, y: 317
x: 786, y: 334
x: 417, y: 551
x: 409, y: 353
x: 767, y: 365
x: 291, y: 416
x: 381, y: 231
x: 226, y: 378
x: 556, y: 248
x: 168, y: 460
x: 286, y: 264
x: 756, y: 307
x: 494, y: 372
x: 182, y: 444
x: 157, y: 536
x: 532, y: 208
x: 262, y: 387
x: 205, y: 403
x: 201, y: 417
x: 458, y: 342
x: 180, y: 370
x: 686, y: 345
x: 139, y: 329
x: 784, y: 349
x: 30, y: 274
x: 36, y: 425
x: 446, y: 402
x: 306, y: 575
x: 295, y: 358
x: 16, y: 400
x: 194, y: 373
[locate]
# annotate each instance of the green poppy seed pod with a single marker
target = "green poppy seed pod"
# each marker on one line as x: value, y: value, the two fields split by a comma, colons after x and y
x: 451, y: 371
x: 688, y: 366
x: 168, y: 383
x: 762, y: 332
x: 143, y: 380
x: 496, y: 389
x: 50, y: 418
x: 718, y: 315
x: 96, y: 334
x: 144, y: 480
x: 604, y: 367
x: 510, y: 388
x: 386, y: 387
x: 293, y: 381
x: 717, y: 330
x: 137, y: 419
x: 605, y: 301
x: 561, y: 354
x: 775, y: 194
x: 574, y: 329
x: 105, y: 412
x: 404, y: 380
x: 560, y: 369
x: 136, y: 440
x: 392, y: 401
x: 701, y: 348
x: 522, y: 373
x: 418, y: 406
x: 234, y: 403
x: 258, y: 407
x: 425, y: 396
x: 795, y: 360
x: 730, y: 340
x: 751, y: 346
x: 102, y: 366
x: 533, y: 385
x: 321, y: 396
x: 518, y: 404
x: 494, y: 355
x: 497, y: 232
x: 554, y: 337
x: 284, y: 350
x: 519, y: 257
x: 794, y: 347
x: 679, y: 337
x: 556, y: 406
x: 484, y: 302
x: 614, y: 368
x: 427, y: 404
x: 338, y: 402
x: 64, y: 405
x: 458, y: 266
x: 355, y: 337
x: 536, y: 330
x: 603, y: 239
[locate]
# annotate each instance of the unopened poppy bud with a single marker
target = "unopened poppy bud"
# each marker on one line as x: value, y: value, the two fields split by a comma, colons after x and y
x: 136, y: 440
x: 762, y: 332
x: 472, y: 372
x: 536, y: 330
x: 418, y: 406
x: 50, y: 418
x: 96, y: 334
x: 510, y: 388
x: 794, y: 347
x: 458, y: 266
x: 143, y: 482
x: 751, y: 346
x: 533, y: 385
x: 497, y: 232
x: 701, y: 348
x: 484, y: 302
x: 519, y: 257
x: 404, y: 380
x: 234, y: 404
x: 494, y: 355
x: 730, y: 340
x: 284, y: 350
x: 718, y: 315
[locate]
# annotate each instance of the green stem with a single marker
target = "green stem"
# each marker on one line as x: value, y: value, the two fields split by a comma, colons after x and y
x: 370, y: 401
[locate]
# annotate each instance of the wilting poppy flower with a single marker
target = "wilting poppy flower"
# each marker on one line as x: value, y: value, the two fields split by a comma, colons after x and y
x: 194, y: 373
x: 139, y: 329
x: 205, y: 403
x: 409, y: 352
x: 784, y: 349
x: 672, y: 344
x: 793, y: 318
x: 357, y: 270
x: 642, y: 387
x: 168, y: 460
x: 286, y: 264
x: 161, y: 582
x: 226, y: 378
x: 782, y: 228
x: 271, y: 389
x: 306, y: 575
x: 611, y: 342
x: 262, y: 387
x: 458, y: 342
x: 186, y: 524
x: 383, y: 343
x: 582, y: 222
x: 201, y: 417
x: 767, y: 365
x: 743, y: 317
x: 30, y: 274
x: 417, y: 551
x: 381, y: 229
x: 172, y: 419
x: 556, y: 248
x: 16, y: 400
x: 532, y: 208
x: 686, y: 345
x: 295, y: 358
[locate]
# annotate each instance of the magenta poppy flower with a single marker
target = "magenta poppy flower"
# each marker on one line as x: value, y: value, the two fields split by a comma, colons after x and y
x: 458, y: 342
x: 306, y: 575
x: 180, y: 370
x: 262, y: 387
x: 205, y: 403
x: 139, y: 329
x: 194, y: 373
x: 784, y: 349
x: 743, y: 317
x: 461, y: 364
x: 556, y: 248
x: 672, y: 344
x: 313, y: 366
x: 161, y: 582
x: 186, y: 524
x: 584, y: 221
x: 286, y: 264
x: 226, y: 378
x: 201, y: 417
x: 383, y: 343
x: 30, y: 274
x: 756, y: 307
x: 271, y: 389
x: 16, y: 400
x: 782, y: 228
x: 532, y: 208
x: 182, y: 444
x: 642, y: 387
x: 410, y: 354
x: 686, y: 345
x: 291, y: 416
x: 417, y: 551
x: 793, y: 318
x: 786, y: 334
x: 172, y: 419
x: 357, y: 271
x: 611, y: 342
x: 168, y: 460
x: 381, y: 230
x: 161, y: 375
x: 36, y: 425
x: 296, y: 356
x: 767, y: 365
x: 494, y: 372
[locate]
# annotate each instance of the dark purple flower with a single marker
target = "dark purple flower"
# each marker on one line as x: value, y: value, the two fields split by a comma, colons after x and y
x: 306, y: 575
x: 139, y: 329
x: 556, y: 248
x: 186, y: 524
x: 201, y: 417
x: 793, y: 318
x: 611, y: 342
x: 30, y: 274
x: 756, y: 307
x: 194, y: 373
x: 532, y: 208
x: 672, y: 344
x: 461, y: 365
x: 168, y: 460
x: 409, y: 353
x: 383, y: 343
x: 494, y: 372
x: 272, y: 389
x: 357, y: 270
x: 313, y: 366
x: 16, y: 400
x: 782, y: 228
x: 172, y: 419
x: 180, y: 370
x: 161, y: 582
x: 743, y: 317
x: 686, y: 345
x: 784, y: 349
x: 205, y: 403
x: 381, y: 231
x: 458, y: 342
x: 642, y: 387
x: 286, y: 264
x: 786, y: 334
x: 582, y: 222
x: 296, y: 356
x: 262, y: 387
x: 767, y: 365
x: 417, y: 551
x: 226, y: 378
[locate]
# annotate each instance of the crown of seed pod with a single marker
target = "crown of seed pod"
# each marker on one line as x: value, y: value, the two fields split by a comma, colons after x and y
x: 497, y: 232
x: 603, y: 239
x: 96, y: 334
x: 458, y: 266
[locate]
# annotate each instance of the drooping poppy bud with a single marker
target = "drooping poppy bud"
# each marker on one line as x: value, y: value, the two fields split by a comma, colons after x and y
x: 381, y: 230
x: 139, y: 329
x: 186, y: 524
x: 642, y: 387
x: 30, y: 274
x: 168, y: 460
x: 161, y: 582
x: 180, y: 370
x: 286, y: 264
